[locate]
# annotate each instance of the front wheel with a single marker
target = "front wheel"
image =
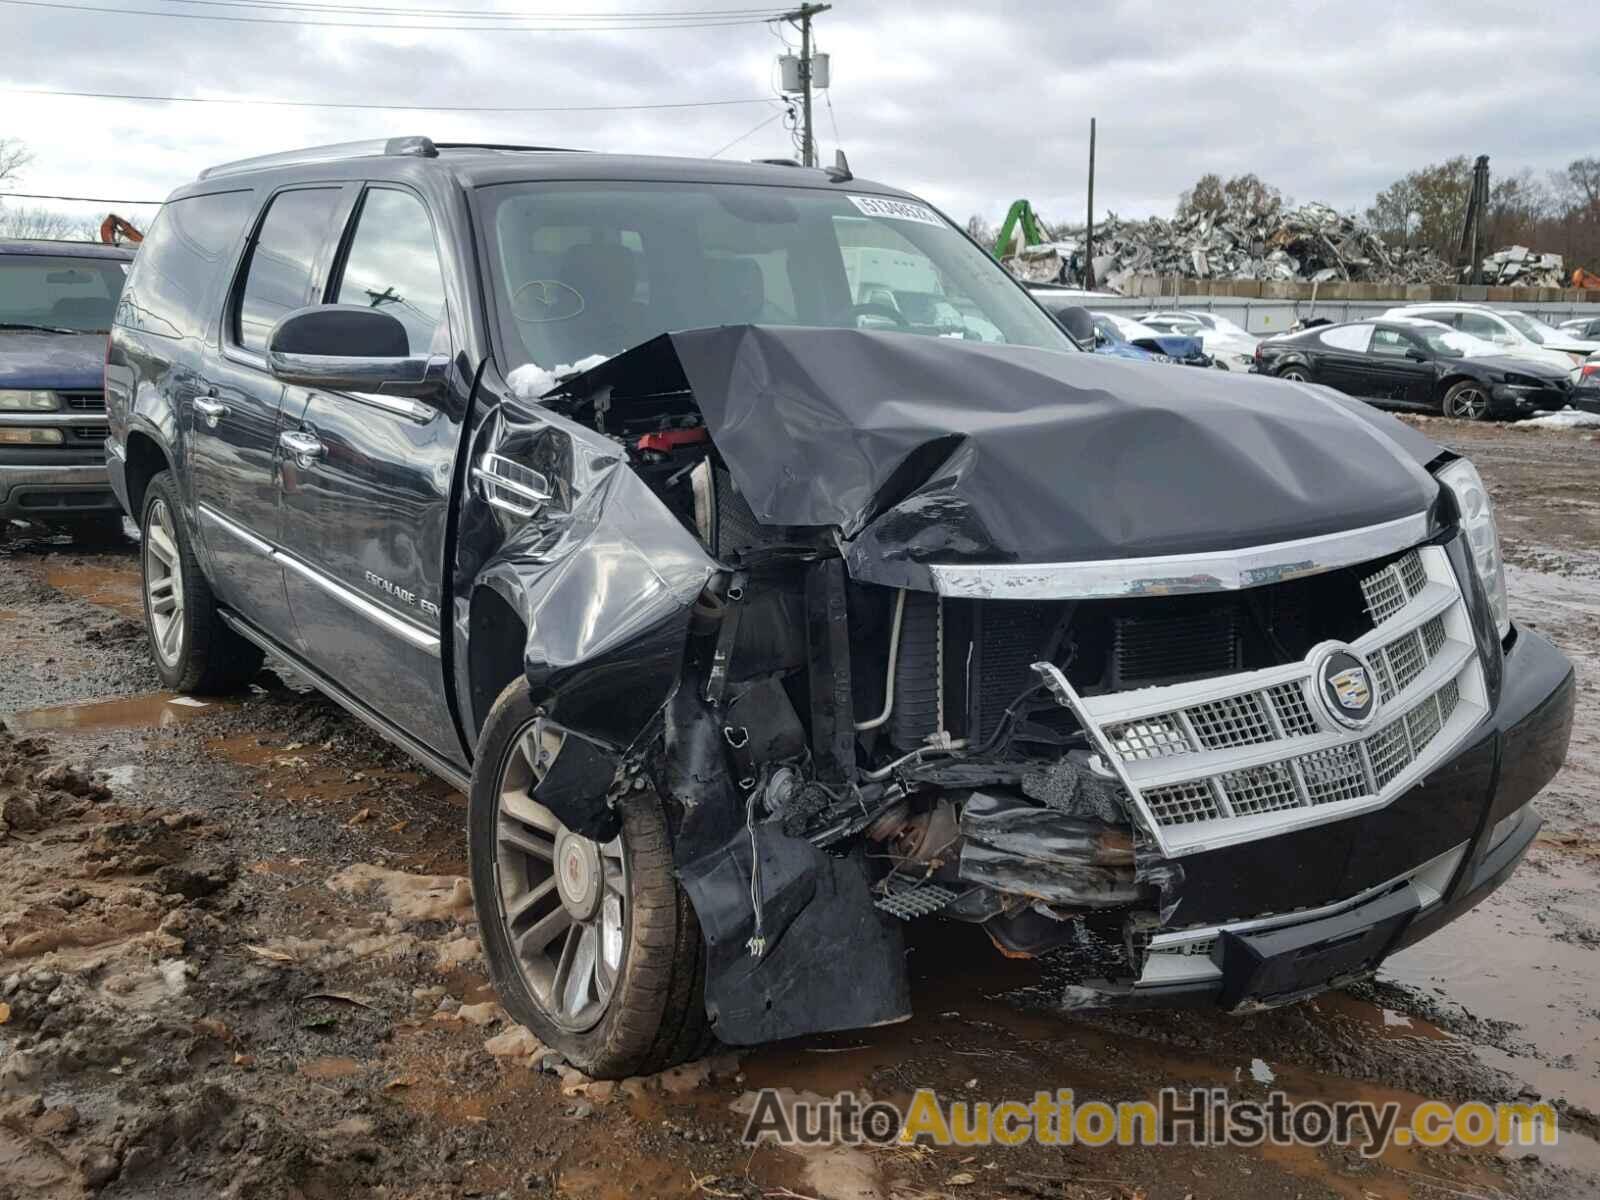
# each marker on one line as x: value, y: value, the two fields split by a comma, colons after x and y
x: 1466, y: 401
x: 593, y: 946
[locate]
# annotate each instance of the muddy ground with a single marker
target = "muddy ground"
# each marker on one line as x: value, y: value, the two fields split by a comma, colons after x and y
x: 237, y: 959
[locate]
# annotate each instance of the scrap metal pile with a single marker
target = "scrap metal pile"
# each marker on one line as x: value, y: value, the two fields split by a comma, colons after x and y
x: 1312, y: 243
x: 1524, y: 268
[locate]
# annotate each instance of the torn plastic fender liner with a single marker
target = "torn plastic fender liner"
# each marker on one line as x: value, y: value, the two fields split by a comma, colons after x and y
x: 831, y: 960
x: 604, y: 578
x: 576, y: 776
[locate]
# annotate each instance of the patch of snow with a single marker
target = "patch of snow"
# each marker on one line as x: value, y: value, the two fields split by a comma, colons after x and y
x: 1260, y: 1072
x: 188, y: 702
x: 531, y: 381
x: 1567, y: 418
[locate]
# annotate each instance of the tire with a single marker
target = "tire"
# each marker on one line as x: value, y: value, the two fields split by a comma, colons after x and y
x: 651, y: 1013
x: 98, y: 529
x: 1295, y: 373
x: 1467, y: 400
x: 194, y: 650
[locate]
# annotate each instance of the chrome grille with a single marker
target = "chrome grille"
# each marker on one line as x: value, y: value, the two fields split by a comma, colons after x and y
x: 1294, y: 714
x: 1150, y: 739
x: 84, y: 401
x: 1183, y: 803
x: 1387, y: 591
x: 1236, y: 721
x: 1228, y: 759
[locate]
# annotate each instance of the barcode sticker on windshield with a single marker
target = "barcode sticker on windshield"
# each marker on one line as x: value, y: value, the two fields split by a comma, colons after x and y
x: 900, y: 210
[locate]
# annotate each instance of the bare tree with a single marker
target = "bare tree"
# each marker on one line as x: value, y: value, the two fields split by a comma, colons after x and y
x: 46, y: 223
x: 13, y: 157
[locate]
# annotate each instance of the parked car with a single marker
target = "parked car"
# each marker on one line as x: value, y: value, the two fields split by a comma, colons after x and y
x: 1587, y: 328
x: 1226, y: 342
x: 1170, y: 347
x: 56, y: 301
x: 1586, y: 392
x: 1426, y: 366
x: 754, y: 641
x: 1515, y: 333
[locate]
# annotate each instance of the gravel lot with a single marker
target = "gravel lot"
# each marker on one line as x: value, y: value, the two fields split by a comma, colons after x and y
x: 237, y: 958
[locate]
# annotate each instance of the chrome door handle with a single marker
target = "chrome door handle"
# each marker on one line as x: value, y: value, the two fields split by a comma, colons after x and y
x: 304, y: 448
x: 212, y: 410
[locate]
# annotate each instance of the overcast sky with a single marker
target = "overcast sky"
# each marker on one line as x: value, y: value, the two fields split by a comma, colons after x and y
x: 970, y: 104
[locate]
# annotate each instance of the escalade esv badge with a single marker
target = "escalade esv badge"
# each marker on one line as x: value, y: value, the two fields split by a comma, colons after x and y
x: 1345, y: 684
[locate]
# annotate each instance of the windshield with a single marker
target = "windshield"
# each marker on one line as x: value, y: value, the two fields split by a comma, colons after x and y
x: 1534, y: 331
x: 596, y: 268
x: 59, y: 292
x: 1447, y: 343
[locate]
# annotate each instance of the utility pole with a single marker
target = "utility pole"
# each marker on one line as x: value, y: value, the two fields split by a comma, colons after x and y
x: 1088, y: 241
x: 802, y: 17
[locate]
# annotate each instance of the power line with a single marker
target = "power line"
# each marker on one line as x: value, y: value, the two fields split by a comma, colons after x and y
x: 86, y: 199
x: 665, y: 22
x: 483, y: 108
x: 748, y: 132
x: 492, y: 14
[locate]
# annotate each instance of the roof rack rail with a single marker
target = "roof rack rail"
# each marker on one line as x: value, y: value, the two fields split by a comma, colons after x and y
x: 415, y: 147
x: 506, y: 146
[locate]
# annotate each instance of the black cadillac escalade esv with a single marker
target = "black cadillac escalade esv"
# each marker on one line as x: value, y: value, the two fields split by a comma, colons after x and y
x: 768, y: 625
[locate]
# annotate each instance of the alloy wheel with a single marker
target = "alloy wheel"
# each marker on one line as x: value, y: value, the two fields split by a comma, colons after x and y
x: 1468, y: 404
x: 163, y: 582
x: 1294, y: 375
x: 562, y: 897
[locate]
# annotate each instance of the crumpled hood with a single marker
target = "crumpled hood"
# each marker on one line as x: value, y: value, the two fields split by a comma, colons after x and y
x: 68, y: 361
x: 935, y: 450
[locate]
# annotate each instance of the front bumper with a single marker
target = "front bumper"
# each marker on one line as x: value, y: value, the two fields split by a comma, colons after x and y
x: 1275, y: 960
x: 48, y: 484
x: 1515, y: 400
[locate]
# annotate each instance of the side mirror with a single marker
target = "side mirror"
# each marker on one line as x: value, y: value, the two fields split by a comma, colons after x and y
x: 1416, y: 355
x: 351, y: 348
x: 1079, y: 325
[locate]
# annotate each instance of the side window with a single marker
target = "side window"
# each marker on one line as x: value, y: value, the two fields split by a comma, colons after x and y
x: 393, y: 264
x: 1390, y: 343
x: 1480, y: 326
x: 1352, y: 339
x: 278, y: 279
x: 168, y: 287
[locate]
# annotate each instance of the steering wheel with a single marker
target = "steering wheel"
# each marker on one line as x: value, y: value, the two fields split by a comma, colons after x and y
x: 875, y: 308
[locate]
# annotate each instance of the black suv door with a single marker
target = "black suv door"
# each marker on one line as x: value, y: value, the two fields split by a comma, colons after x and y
x: 366, y: 492
x: 234, y: 425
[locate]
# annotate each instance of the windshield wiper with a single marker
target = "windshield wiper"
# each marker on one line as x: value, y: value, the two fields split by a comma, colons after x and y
x: 44, y: 328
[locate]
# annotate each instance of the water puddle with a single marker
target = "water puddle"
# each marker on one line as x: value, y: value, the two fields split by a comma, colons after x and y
x: 1529, y: 957
x: 115, y: 587
x: 130, y: 712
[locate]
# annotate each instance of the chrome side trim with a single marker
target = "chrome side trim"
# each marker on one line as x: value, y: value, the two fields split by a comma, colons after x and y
x: 412, y: 410
x: 376, y: 613
x: 235, y: 530
x: 1178, y: 574
x: 357, y: 603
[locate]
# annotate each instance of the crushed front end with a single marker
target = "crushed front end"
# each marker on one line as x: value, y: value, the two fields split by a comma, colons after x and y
x: 1114, y: 673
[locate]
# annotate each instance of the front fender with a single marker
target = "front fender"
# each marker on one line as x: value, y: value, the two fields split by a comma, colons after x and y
x: 604, y: 579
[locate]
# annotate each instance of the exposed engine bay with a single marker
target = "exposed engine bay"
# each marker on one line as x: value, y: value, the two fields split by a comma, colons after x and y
x: 850, y: 745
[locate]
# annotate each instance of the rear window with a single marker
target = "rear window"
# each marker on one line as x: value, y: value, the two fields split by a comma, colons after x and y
x: 191, y: 241
x: 59, y: 292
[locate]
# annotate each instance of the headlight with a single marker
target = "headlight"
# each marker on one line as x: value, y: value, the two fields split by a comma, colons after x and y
x: 29, y: 401
x: 1483, y: 538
